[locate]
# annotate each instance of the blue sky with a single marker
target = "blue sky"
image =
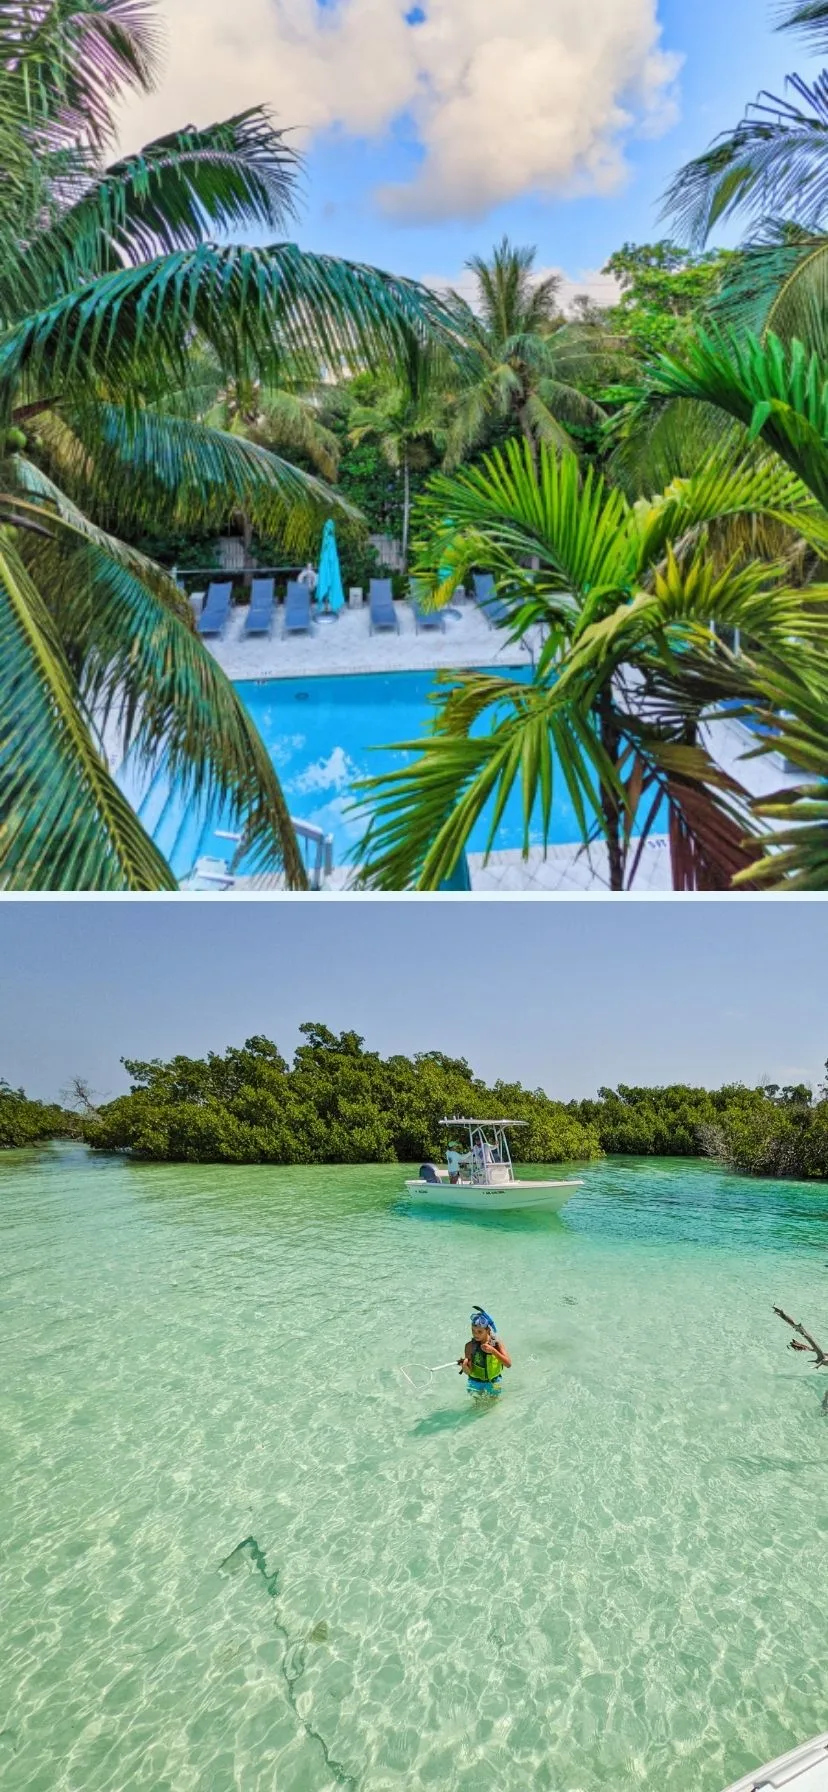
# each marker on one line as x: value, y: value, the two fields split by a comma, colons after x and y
x: 382, y: 109
x: 563, y: 995
x: 730, y: 52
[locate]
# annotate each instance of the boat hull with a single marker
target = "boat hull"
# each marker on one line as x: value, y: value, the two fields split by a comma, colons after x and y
x: 505, y: 1197
x: 805, y: 1769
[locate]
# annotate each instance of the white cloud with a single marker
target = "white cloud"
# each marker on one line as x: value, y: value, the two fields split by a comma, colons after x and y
x: 506, y: 96
x: 602, y: 289
x: 336, y: 772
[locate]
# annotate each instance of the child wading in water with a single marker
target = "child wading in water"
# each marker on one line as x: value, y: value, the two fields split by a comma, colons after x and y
x: 484, y: 1357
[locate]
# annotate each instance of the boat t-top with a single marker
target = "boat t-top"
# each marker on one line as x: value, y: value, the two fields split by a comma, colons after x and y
x: 482, y: 1176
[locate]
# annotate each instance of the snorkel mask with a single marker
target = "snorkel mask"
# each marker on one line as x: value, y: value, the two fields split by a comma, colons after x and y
x: 480, y: 1317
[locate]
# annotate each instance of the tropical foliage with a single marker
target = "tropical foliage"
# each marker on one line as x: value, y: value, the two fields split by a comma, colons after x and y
x: 679, y: 1120
x: 527, y: 368
x: 785, y: 1134
x: 649, y: 487
x: 26, y: 1122
x: 773, y: 171
x: 406, y: 417
x: 665, y: 288
x: 779, y: 397
x: 111, y: 297
x: 634, y: 612
x: 336, y: 1103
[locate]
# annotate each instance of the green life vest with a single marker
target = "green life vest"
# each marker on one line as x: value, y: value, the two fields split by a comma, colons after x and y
x: 484, y: 1366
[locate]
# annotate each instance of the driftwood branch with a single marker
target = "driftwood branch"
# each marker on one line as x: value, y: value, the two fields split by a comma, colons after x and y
x: 810, y: 1345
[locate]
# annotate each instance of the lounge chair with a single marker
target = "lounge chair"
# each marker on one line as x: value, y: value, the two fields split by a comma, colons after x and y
x: 383, y: 614
x: 487, y: 600
x: 216, y: 609
x: 297, y: 618
x: 259, y: 618
x: 427, y: 618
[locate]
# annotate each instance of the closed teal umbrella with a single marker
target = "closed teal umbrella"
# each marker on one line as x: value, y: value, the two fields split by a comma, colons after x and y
x: 329, y: 593
x: 460, y: 878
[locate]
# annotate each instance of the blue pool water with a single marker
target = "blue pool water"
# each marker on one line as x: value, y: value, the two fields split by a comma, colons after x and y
x: 324, y: 735
x: 321, y: 734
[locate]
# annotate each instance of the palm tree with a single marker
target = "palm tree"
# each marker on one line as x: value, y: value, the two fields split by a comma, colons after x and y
x: 407, y: 419
x: 773, y: 165
x: 636, y: 615
x: 779, y: 394
x: 526, y: 362
x: 283, y: 418
x: 773, y: 169
x: 110, y: 287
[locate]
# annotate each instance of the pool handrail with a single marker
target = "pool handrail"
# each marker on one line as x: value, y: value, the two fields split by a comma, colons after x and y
x: 318, y: 867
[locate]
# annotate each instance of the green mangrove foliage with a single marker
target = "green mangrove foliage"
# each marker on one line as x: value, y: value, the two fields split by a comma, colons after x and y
x: 771, y: 1131
x: 681, y: 1121
x: 24, y: 1122
x: 339, y: 1103
x: 785, y: 1135
x: 336, y: 1103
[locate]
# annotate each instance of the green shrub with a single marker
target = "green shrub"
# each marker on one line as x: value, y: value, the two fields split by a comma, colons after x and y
x: 24, y: 1122
x: 336, y: 1103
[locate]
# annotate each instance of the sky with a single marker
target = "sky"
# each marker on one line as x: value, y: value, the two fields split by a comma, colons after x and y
x: 431, y: 127
x: 562, y: 996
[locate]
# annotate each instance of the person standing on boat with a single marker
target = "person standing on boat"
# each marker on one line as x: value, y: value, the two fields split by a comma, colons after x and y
x: 483, y: 1160
x: 454, y: 1159
x: 484, y: 1357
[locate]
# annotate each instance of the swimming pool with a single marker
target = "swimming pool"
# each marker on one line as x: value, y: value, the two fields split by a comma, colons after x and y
x: 322, y: 735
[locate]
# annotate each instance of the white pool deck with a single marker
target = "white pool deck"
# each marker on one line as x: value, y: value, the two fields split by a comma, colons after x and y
x: 346, y: 645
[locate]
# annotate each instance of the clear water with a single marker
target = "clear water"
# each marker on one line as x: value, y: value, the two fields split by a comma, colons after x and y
x: 322, y: 735
x: 613, y: 1579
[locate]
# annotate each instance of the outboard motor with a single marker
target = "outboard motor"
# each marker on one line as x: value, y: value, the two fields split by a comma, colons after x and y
x: 429, y: 1173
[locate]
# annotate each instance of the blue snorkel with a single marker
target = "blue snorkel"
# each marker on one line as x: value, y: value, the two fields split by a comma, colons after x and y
x: 481, y: 1317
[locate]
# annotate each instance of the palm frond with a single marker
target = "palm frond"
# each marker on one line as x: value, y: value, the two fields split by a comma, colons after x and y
x: 777, y: 283
x: 711, y: 848
x: 142, y: 666
x: 423, y: 814
x: 810, y: 17
x: 773, y: 165
x: 730, y: 485
x: 654, y: 441
x: 170, y: 195
x: 35, y: 499
x: 779, y: 393
x: 510, y: 298
x: 64, y: 824
x: 792, y: 707
x: 74, y: 58
x: 252, y: 306
x: 507, y: 512
x: 141, y: 466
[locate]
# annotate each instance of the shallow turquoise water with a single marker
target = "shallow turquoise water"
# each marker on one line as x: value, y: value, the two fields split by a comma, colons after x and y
x: 614, y: 1579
